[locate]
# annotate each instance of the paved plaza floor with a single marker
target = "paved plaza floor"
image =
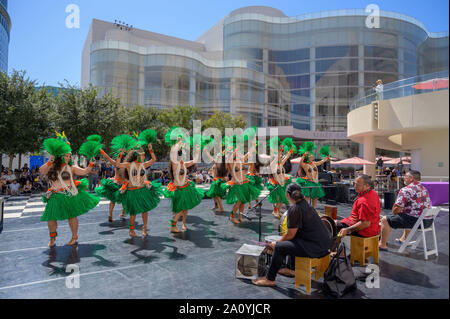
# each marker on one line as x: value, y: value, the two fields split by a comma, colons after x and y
x: 199, y: 263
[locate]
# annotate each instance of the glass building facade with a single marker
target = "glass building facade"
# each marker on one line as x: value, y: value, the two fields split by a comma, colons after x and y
x: 5, y: 28
x: 272, y: 69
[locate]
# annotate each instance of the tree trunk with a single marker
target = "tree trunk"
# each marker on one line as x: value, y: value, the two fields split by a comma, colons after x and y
x: 20, y: 161
x: 11, y: 157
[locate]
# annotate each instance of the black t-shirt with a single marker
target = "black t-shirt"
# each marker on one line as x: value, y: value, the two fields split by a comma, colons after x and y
x: 311, y: 233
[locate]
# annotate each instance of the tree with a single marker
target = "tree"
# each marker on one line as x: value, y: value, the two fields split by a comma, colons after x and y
x: 221, y: 121
x: 23, y: 114
x: 82, y: 112
x: 181, y: 116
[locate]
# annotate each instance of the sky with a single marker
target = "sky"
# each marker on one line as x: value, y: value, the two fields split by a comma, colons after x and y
x: 50, y: 53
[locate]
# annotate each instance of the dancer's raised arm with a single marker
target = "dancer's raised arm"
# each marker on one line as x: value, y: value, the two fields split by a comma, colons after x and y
x: 83, y: 171
x: 153, y: 159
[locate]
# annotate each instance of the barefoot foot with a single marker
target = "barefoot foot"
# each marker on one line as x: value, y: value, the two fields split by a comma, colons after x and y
x: 184, y: 227
x: 73, y: 241
x: 263, y: 282
x: 234, y: 220
x: 174, y: 230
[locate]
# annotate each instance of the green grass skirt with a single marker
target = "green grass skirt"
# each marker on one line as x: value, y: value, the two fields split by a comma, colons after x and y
x: 244, y: 193
x: 279, y: 195
x: 216, y: 190
x: 257, y: 181
x: 141, y: 200
x: 109, y: 190
x: 63, y: 206
x: 184, y: 198
x: 315, y: 192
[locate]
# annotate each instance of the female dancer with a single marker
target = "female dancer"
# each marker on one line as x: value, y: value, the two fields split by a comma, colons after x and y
x: 309, y: 175
x: 139, y: 196
x: 279, y: 180
x: 216, y: 192
x: 67, y: 198
x: 239, y: 189
x: 110, y: 187
x: 253, y: 174
x: 181, y: 191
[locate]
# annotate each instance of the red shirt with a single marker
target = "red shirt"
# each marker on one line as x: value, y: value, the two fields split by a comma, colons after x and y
x: 367, y: 208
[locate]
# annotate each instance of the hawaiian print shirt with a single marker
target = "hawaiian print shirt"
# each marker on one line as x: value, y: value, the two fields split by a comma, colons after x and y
x: 413, y: 198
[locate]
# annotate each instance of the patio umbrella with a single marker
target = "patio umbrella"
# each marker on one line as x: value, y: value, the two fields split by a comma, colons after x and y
x: 396, y: 161
x: 438, y: 83
x: 297, y: 160
x: 354, y: 161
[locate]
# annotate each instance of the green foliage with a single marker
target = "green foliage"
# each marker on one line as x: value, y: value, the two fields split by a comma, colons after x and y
x: 221, y: 121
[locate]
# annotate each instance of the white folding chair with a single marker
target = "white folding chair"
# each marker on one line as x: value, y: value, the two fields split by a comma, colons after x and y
x: 429, y: 212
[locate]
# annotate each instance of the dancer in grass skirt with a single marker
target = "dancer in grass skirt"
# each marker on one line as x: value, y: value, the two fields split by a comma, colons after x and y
x: 139, y: 196
x: 181, y: 191
x: 278, y: 179
x: 216, y: 192
x: 110, y: 187
x: 308, y: 172
x: 67, y: 198
x: 240, y: 190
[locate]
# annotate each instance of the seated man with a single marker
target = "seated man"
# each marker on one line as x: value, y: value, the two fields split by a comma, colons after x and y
x: 365, y: 216
x: 14, y: 187
x: 409, y: 205
x: 306, y: 236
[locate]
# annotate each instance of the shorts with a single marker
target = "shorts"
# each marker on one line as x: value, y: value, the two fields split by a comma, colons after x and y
x: 405, y: 221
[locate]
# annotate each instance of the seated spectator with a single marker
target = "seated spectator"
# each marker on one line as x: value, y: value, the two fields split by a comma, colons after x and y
x: 24, y: 177
x: 365, y: 216
x: 409, y: 205
x: 27, y: 187
x: 306, y: 236
x: 14, y: 188
x: 198, y: 178
x: 25, y: 168
x: 10, y: 177
x: 3, y: 185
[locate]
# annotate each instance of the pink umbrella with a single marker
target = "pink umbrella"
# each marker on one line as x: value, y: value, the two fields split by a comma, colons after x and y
x: 396, y: 161
x: 385, y: 158
x: 354, y: 161
x: 439, y: 83
x: 297, y: 160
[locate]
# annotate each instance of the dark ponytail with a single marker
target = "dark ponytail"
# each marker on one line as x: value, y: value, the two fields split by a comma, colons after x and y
x: 295, y: 192
x: 54, y: 169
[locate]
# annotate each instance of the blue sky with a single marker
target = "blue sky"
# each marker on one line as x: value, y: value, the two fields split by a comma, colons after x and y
x: 50, y: 53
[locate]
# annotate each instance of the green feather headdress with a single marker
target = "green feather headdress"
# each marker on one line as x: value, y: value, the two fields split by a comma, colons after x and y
x: 307, y: 147
x: 325, y: 151
x: 176, y: 132
x: 288, y: 144
x: 146, y: 137
x: 90, y: 149
x: 56, y: 147
x: 275, y: 143
x: 123, y: 141
x: 249, y: 133
x: 94, y: 138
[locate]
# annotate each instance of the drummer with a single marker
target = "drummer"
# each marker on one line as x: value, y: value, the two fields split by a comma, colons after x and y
x: 306, y: 236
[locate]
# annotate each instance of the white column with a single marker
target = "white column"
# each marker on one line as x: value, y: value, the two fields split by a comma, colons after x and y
x: 369, y: 155
x: 415, y: 159
x: 312, y: 86
x: 141, y: 84
x: 192, y: 85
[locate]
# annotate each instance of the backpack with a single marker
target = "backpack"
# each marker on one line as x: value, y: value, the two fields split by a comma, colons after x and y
x: 339, y: 278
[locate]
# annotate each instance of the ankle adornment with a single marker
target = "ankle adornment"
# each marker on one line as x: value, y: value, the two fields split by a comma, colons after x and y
x: 131, y: 227
x: 233, y: 215
x: 53, y: 235
x: 173, y: 223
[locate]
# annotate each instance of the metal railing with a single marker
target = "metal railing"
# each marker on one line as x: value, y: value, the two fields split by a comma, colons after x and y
x: 398, y: 89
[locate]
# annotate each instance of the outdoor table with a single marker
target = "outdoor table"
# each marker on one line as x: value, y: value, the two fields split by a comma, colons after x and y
x: 438, y: 192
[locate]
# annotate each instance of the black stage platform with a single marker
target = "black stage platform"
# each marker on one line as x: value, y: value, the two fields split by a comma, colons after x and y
x: 197, y: 264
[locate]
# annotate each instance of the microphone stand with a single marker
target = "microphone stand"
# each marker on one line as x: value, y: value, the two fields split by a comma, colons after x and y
x: 258, y: 206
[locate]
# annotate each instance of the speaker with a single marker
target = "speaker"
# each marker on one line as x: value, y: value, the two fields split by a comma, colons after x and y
x: 2, y: 206
x: 342, y: 193
x: 250, y: 262
x: 389, y: 199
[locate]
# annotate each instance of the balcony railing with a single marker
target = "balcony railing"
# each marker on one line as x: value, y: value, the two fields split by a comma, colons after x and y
x: 400, y: 88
